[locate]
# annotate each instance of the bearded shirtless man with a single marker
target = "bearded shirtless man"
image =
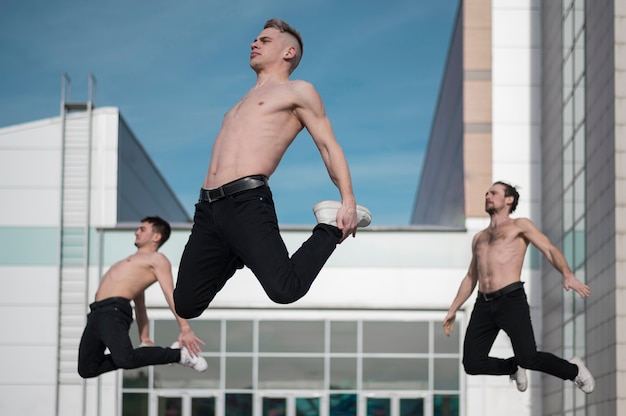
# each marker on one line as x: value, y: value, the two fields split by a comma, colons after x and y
x: 235, y: 221
x: 111, y: 313
x: 497, y: 256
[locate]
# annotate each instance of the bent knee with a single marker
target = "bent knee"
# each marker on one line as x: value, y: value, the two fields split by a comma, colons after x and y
x: 472, y: 368
x: 86, y: 372
x: 282, y: 298
x: 187, y: 312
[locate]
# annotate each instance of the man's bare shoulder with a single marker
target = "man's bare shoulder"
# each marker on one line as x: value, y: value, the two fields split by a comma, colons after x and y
x: 158, y: 259
x: 302, y: 88
x: 523, y: 223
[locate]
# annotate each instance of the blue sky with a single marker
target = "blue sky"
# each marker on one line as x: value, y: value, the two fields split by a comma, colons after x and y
x: 175, y: 68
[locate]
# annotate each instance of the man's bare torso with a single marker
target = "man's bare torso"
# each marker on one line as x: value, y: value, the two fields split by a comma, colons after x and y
x: 255, y: 134
x: 129, y: 277
x: 499, y: 253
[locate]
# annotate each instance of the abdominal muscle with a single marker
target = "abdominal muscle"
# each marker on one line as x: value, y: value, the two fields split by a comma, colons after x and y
x: 252, y: 140
x: 499, y: 266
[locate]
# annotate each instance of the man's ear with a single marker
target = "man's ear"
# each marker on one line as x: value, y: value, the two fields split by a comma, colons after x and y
x: 290, y: 53
x: 156, y: 238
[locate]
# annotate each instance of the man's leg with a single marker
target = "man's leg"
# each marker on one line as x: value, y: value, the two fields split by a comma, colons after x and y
x: 479, y: 338
x: 205, y: 266
x: 254, y: 236
x: 514, y: 318
x: 91, y: 358
x: 108, y: 328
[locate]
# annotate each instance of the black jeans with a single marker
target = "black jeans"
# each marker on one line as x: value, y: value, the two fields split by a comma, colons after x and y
x: 107, y: 327
x: 510, y: 313
x: 242, y: 229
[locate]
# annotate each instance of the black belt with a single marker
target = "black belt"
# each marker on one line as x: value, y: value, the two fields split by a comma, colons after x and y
x: 111, y: 304
x: 506, y: 289
x: 243, y: 184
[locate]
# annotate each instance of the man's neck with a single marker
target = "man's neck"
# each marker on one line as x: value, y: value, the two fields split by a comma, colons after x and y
x: 499, y: 218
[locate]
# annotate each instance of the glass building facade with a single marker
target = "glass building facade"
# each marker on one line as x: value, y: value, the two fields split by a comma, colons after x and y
x: 574, y: 185
x: 307, y: 364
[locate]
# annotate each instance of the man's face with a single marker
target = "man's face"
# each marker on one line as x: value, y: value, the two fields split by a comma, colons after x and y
x: 144, y: 234
x: 495, y: 201
x: 268, y: 47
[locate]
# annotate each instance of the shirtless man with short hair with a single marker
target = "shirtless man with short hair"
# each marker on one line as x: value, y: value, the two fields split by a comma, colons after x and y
x: 497, y: 256
x: 235, y: 221
x: 111, y: 313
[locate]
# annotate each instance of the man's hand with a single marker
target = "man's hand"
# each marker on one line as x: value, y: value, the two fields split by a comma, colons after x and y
x: 448, y: 322
x: 189, y: 339
x: 347, y: 221
x: 571, y: 282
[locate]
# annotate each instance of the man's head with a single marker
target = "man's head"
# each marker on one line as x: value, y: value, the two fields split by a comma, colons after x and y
x: 499, y: 196
x: 158, y: 233
x: 285, y: 39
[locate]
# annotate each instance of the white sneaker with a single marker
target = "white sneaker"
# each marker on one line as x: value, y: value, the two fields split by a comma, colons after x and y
x: 520, y: 379
x: 584, y: 380
x: 326, y: 213
x: 197, y: 362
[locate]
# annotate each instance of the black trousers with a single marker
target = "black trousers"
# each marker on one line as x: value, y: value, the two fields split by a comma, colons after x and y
x: 510, y: 313
x: 242, y: 229
x: 107, y: 327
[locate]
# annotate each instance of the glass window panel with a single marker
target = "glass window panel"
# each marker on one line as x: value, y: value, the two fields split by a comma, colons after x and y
x: 568, y: 32
x: 568, y: 339
x: 291, y: 336
x: 343, y: 373
x: 307, y: 406
x: 291, y: 373
x: 445, y: 344
x: 568, y: 306
x: 446, y: 375
x: 274, y: 406
x: 395, y: 374
x: 578, y: 155
x: 170, y: 406
x: 203, y: 406
x: 579, y: 103
x: 136, y: 378
x: 343, y: 336
x: 568, y: 163
x: 579, y: 334
x: 568, y: 399
x: 167, y: 331
x: 568, y: 113
x: 568, y: 131
x: 378, y: 406
x: 579, y: 196
x: 412, y: 407
x: 568, y: 76
x: 342, y: 405
x: 134, y: 404
x: 568, y: 246
x: 179, y: 377
x: 579, y: 248
x: 395, y: 337
x: 239, y: 336
x: 239, y: 373
x: 446, y: 405
x: 238, y: 404
x: 579, y: 57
